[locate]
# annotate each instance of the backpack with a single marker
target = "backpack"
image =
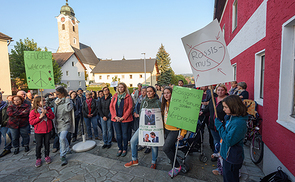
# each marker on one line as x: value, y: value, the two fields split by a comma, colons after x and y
x: 277, y: 176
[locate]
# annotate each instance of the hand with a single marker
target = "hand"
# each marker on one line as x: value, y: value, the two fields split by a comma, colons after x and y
x: 105, y: 118
x: 89, y: 115
x: 180, y: 137
x: 44, y: 111
x: 200, y: 113
x: 121, y: 119
x: 41, y: 115
x: 136, y: 115
x: 117, y: 119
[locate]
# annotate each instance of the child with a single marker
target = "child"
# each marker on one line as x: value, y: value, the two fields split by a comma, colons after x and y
x: 41, y: 119
x: 232, y: 136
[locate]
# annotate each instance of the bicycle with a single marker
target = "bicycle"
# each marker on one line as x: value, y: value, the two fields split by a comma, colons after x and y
x: 253, y: 135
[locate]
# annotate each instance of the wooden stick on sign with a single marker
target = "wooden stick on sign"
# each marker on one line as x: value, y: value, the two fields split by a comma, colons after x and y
x: 213, y: 101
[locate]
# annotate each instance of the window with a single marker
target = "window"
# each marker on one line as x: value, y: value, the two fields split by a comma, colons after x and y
x: 130, y: 76
x: 73, y: 63
x: 100, y: 77
x: 73, y: 28
x: 79, y: 74
x: 259, y: 77
x: 63, y: 27
x: 123, y: 76
x: 140, y: 76
x: 235, y: 71
x: 67, y: 73
x: 80, y: 83
x: 286, y: 107
x: 130, y: 85
x: 74, y: 40
x: 68, y: 84
x: 92, y: 74
x: 235, y: 15
x: 108, y: 77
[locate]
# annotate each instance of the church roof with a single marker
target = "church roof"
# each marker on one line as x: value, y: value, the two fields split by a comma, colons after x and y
x: 5, y: 37
x: 125, y: 66
x: 67, y: 10
x: 86, y: 55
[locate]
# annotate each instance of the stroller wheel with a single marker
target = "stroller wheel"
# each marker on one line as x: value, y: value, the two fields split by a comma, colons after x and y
x: 203, y: 158
x: 184, y: 168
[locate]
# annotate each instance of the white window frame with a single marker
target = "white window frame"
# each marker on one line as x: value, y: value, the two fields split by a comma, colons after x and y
x: 74, y: 40
x: 123, y: 76
x: 235, y: 71
x: 67, y: 73
x: 100, y: 77
x: 80, y: 84
x: 287, y: 72
x: 257, y: 77
x: 68, y: 84
x: 73, y: 63
x: 79, y: 74
x: 235, y: 15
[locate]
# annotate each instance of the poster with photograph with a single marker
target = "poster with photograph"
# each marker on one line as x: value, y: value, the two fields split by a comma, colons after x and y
x: 151, y: 132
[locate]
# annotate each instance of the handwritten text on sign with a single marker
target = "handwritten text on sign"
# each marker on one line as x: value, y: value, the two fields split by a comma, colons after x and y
x: 184, y: 108
x: 39, y: 70
x: 208, y: 56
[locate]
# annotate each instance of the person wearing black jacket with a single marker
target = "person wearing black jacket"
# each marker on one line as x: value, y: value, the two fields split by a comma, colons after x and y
x: 89, y: 109
x: 221, y: 94
x: 78, y: 109
x: 105, y: 117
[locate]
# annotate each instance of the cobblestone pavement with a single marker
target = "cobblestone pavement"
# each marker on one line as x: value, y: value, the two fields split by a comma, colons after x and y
x: 102, y: 165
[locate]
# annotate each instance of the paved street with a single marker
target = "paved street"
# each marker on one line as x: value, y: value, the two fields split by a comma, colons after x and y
x: 102, y: 165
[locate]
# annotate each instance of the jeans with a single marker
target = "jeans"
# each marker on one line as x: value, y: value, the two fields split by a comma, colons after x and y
x: 134, y: 143
x: 230, y: 171
x: 88, y: 122
x: 169, y: 146
x: 77, y: 119
x: 4, y: 130
x: 98, y: 122
x: 122, y: 135
x: 63, y: 143
x: 16, y: 133
x: 216, y: 139
x: 56, y: 140
x: 107, y: 131
x: 40, y: 139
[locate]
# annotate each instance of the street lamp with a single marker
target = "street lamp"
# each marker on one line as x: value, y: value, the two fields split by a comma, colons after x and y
x: 144, y: 67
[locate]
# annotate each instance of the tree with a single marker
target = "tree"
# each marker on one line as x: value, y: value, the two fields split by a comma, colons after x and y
x: 175, y: 79
x: 164, y: 61
x: 17, y: 65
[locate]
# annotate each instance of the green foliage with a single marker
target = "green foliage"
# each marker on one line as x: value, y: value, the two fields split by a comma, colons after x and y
x: 116, y: 79
x: 16, y: 60
x: 175, y: 79
x: 165, y: 77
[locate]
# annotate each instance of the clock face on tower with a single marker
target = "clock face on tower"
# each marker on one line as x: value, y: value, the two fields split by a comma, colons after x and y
x: 62, y: 19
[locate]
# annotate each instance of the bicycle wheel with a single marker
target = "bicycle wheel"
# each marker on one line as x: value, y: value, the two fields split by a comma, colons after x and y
x: 256, y: 149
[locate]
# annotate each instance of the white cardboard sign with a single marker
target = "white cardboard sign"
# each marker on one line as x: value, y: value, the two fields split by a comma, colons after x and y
x: 114, y: 84
x: 208, y: 55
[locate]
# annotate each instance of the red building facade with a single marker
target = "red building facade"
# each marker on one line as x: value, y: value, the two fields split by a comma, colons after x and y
x: 260, y: 36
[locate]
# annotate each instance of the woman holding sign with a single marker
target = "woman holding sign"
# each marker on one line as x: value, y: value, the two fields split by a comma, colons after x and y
x: 151, y: 101
x: 171, y: 132
x: 121, y: 114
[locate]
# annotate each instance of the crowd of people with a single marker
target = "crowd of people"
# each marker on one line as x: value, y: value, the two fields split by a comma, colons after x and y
x: 59, y: 115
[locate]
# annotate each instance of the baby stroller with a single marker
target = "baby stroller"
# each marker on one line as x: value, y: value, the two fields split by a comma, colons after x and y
x: 193, y: 142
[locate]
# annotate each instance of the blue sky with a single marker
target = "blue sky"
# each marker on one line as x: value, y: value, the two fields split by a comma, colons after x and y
x: 113, y: 28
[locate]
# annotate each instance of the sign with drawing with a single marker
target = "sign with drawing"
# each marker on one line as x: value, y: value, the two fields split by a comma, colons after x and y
x: 151, y: 132
x: 208, y: 55
x: 39, y: 70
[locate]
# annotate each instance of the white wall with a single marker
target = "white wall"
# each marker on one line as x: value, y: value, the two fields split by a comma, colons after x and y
x: 134, y: 81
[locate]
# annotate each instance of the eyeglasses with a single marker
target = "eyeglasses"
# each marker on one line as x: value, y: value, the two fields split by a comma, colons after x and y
x: 16, y: 100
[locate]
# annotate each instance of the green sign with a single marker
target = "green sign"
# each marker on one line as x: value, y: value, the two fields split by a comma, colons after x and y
x: 184, y: 108
x: 39, y: 70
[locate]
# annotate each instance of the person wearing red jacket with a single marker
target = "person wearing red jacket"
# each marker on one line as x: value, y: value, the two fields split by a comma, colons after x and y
x: 121, y: 108
x: 41, y: 119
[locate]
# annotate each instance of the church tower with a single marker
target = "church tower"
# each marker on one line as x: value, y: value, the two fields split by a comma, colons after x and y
x: 68, y: 32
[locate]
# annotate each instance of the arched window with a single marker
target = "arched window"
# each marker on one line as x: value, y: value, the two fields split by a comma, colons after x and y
x: 73, y: 28
x: 63, y: 26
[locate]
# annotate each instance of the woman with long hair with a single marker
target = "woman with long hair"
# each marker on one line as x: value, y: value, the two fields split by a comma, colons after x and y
x: 63, y: 124
x: 121, y: 114
x: 90, y: 110
x: 41, y: 119
x: 232, y: 135
x: 18, y: 122
x: 171, y: 132
x: 151, y: 101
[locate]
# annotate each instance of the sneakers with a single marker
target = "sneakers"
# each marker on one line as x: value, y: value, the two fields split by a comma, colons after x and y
x: 38, y: 163
x: 175, y: 172
x: 147, y: 150
x: 47, y: 160
x: 4, y: 153
x: 64, y: 161
x: 104, y: 146
x: 131, y: 163
x: 119, y: 153
x: 153, y: 166
x: 124, y: 153
x: 27, y: 148
x: 109, y: 146
x: 140, y: 148
x: 16, y: 151
x: 54, y: 150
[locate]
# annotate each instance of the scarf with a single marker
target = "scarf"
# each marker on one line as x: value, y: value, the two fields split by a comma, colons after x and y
x: 40, y: 111
x: 238, y: 92
x: 120, y: 97
x: 58, y: 101
x: 2, y: 105
x: 88, y: 102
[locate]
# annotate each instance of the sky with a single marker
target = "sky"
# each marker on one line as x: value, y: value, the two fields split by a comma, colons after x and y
x: 112, y: 28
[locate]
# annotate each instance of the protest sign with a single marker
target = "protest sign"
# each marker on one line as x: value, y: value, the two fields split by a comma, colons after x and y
x: 114, y: 84
x: 151, y: 131
x: 208, y: 55
x: 184, y: 108
x: 39, y: 70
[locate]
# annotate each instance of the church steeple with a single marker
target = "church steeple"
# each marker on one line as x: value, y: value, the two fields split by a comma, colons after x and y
x: 68, y: 32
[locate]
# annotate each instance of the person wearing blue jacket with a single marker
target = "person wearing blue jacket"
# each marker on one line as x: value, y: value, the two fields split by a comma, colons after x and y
x: 232, y: 136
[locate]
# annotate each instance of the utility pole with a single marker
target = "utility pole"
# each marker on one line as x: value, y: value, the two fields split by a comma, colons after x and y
x: 144, y: 65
